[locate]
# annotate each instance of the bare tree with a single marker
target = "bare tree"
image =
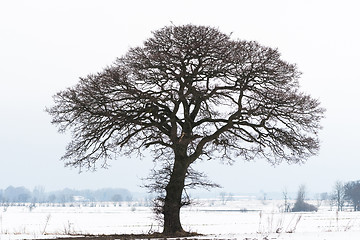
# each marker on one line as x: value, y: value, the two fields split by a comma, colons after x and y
x: 352, y: 194
x: 286, y: 200
x: 38, y: 194
x: 338, y: 195
x: 320, y: 198
x: 189, y: 93
x: 223, y: 198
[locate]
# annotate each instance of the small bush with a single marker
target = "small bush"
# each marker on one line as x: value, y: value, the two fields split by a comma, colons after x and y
x: 300, y: 204
x: 304, y: 207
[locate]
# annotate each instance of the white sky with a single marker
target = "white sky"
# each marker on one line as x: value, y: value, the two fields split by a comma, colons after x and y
x: 46, y: 45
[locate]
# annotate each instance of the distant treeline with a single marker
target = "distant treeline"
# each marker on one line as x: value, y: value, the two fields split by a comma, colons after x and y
x: 38, y: 195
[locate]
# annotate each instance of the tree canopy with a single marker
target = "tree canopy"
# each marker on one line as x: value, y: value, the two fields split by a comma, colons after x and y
x: 189, y: 93
x: 352, y: 194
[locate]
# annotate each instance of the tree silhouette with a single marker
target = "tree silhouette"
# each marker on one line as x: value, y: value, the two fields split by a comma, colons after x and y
x: 300, y: 204
x: 352, y: 194
x: 338, y: 195
x: 189, y: 93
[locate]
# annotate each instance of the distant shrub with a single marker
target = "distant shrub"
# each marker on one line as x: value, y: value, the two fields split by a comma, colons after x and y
x: 304, y: 207
x: 300, y: 204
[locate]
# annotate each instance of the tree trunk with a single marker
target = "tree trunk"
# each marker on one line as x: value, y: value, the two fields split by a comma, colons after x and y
x: 172, y: 204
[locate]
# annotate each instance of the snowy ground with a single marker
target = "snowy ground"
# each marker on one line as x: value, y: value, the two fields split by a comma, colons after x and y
x: 240, y: 219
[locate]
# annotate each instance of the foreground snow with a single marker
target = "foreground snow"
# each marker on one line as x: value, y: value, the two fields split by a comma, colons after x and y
x: 242, y: 219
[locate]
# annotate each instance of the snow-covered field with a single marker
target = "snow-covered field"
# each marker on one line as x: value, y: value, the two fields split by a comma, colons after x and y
x: 240, y: 219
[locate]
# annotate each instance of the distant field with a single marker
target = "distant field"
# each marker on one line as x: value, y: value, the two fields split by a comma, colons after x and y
x: 241, y: 219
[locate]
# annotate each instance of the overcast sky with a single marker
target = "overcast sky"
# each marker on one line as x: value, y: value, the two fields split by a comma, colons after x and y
x: 45, y: 46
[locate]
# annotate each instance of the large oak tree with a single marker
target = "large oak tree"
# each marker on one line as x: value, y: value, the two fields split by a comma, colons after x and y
x: 190, y: 93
